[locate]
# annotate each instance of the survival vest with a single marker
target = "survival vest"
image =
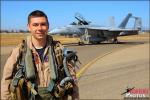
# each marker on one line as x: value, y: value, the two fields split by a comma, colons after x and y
x: 23, y: 86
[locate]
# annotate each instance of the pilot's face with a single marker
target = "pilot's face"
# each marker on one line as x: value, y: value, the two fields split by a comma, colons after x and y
x: 38, y: 26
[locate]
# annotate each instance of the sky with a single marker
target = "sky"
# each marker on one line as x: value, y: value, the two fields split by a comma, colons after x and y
x: 60, y: 13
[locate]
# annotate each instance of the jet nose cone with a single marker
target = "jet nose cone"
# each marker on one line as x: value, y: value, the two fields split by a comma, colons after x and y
x: 65, y: 30
x: 55, y: 31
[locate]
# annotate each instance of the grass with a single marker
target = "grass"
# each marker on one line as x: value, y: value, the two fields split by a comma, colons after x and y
x: 11, y: 39
x: 15, y: 38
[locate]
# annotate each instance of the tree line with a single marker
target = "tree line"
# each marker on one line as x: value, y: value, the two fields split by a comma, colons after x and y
x: 14, y: 31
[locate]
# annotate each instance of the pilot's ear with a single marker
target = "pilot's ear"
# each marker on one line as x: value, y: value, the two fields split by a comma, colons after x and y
x: 48, y: 24
x: 28, y: 27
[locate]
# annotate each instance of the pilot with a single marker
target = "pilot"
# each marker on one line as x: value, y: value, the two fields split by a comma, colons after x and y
x: 32, y: 70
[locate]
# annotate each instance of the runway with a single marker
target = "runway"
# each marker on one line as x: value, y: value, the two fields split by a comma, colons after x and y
x: 102, y: 83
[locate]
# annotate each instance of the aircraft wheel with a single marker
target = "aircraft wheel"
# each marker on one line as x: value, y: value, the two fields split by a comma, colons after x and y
x: 80, y: 43
x: 115, y: 41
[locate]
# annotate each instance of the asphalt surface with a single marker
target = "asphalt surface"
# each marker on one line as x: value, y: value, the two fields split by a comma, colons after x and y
x: 102, y: 82
x: 109, y: 76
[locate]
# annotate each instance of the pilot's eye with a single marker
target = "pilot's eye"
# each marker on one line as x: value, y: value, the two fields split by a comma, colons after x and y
x: 35, y: 24
x: 43, y: 24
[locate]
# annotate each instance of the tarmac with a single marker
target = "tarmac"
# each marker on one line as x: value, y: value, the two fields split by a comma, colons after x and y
x: 109, y: 76
x: 125, y: 55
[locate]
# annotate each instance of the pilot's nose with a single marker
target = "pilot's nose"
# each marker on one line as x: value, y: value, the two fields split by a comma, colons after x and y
x: 39, y: 27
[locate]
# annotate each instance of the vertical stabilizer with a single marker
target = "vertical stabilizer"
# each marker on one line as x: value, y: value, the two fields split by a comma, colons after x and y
x: 125, y: 21
x: 138, y: 23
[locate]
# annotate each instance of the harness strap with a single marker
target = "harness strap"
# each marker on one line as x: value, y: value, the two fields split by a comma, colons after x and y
x: 29, y: 65
x: 52, y: 63
x: 31, y: 87
x: 53, y: 68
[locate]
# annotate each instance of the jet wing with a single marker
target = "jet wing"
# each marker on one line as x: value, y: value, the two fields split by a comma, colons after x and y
x: 98, y: 28
x: 112, y: 29
x: 123, y: 30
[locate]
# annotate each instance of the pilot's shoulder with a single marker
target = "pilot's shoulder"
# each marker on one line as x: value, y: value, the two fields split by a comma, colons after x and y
x: 55, y: 42
x: 16, y: 51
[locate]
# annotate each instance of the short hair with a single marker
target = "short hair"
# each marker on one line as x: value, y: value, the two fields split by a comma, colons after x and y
x: 37, y: 13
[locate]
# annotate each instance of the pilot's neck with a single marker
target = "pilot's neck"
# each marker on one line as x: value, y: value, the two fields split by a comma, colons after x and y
x: 38, y: 43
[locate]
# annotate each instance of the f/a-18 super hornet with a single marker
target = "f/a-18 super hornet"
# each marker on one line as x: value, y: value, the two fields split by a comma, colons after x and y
x: 96, y: 34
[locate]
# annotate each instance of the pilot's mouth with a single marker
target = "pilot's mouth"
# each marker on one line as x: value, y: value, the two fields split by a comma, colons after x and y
x: 40, y: 33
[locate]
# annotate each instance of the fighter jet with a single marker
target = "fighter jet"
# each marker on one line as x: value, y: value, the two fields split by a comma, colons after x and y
x: 96, y: 34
